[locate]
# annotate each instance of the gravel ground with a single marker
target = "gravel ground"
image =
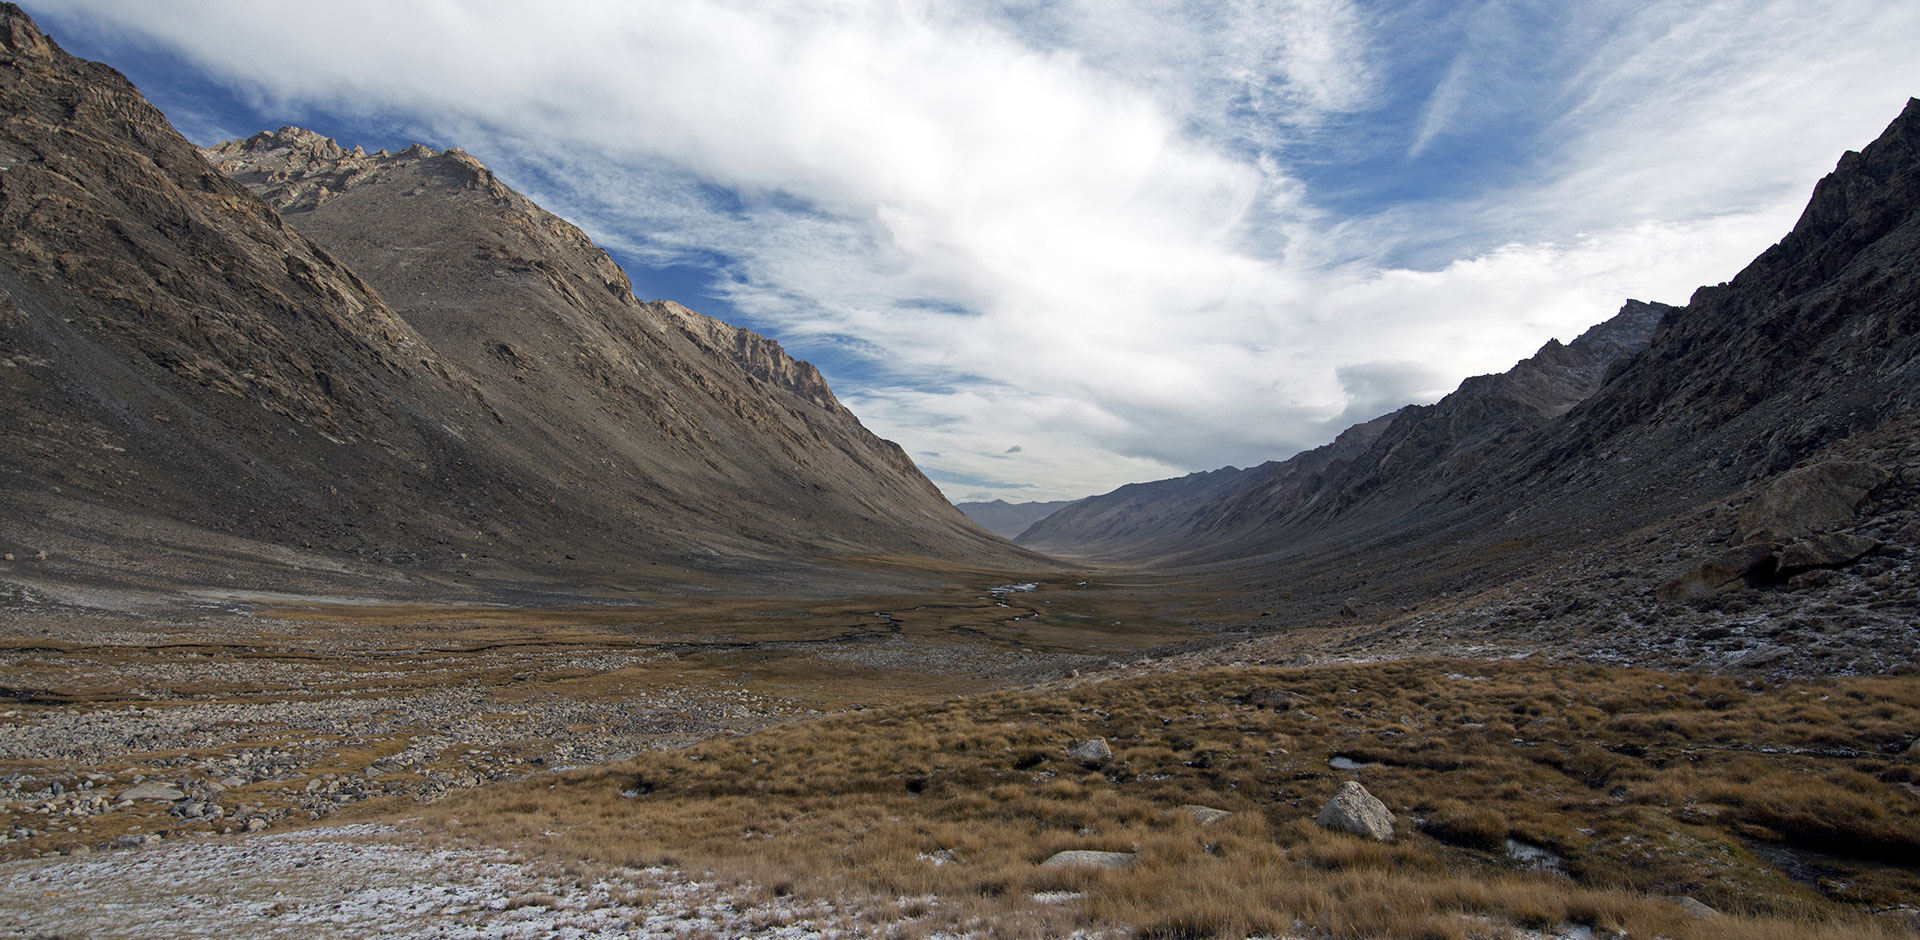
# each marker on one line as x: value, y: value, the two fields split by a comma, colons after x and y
x: 353, y: 882
x: 379, y: 881
x: 362, y: 881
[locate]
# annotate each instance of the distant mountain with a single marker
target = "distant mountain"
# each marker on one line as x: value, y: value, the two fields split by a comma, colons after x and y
x: 414, y: 365
x: 1008, y: 520
x: 1136, y: 521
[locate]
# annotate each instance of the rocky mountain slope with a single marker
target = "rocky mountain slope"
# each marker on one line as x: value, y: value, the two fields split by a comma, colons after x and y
x: 1738, y: 492
x: 186, y: 371
x: 1397, y: 458
x: 1008, y: 520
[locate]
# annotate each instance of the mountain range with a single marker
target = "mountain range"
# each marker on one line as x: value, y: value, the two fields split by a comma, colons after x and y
x: 283, y: 355
x: 1008, y: 520
x: 299, y: 355
x: 1648, y: 423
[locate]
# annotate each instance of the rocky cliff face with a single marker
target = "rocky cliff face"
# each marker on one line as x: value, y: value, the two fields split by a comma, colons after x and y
x: 456, y: 378
x: 1814, y: 341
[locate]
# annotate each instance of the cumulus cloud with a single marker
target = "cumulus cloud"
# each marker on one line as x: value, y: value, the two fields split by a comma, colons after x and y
x: 1094, y: 227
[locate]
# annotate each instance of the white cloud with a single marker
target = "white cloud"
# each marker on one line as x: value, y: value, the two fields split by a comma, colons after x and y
x: 1082, y: 230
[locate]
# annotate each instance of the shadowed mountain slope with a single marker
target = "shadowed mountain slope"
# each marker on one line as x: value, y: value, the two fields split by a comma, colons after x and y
x: 714, y: 424
x: 182, y: 366
x: 1403, y: 455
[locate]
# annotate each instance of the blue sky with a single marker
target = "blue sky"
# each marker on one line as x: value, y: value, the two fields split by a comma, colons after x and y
x: 1052, y: 248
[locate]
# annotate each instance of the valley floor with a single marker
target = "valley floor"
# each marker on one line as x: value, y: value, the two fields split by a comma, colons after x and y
x: 898, y: 765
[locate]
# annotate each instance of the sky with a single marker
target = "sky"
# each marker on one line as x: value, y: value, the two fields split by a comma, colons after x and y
x: 1052, y: 248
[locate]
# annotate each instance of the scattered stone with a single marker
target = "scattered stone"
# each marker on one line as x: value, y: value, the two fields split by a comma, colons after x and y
x: 1354, y: 810
x: 1092, y: 752
x: 256, y: 824
x: 1349, y: 608
x: 1082, y: 858
x: 153, y: 790
x: 1694, y: 908
x: 1808, y: 500
x: 1204, y: 815
x: 232, y: 782
x: 1266, y: 696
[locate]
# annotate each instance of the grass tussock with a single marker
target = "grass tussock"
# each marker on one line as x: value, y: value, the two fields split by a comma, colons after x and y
x: 1789, y: 807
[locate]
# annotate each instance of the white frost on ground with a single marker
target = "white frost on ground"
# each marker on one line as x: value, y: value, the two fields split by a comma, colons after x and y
x: 368, y: 881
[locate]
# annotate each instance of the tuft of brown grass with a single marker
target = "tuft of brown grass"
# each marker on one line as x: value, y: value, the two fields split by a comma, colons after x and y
x: 1646, y: 785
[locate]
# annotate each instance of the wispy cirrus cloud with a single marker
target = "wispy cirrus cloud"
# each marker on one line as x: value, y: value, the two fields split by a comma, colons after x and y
x: 1053, y: 248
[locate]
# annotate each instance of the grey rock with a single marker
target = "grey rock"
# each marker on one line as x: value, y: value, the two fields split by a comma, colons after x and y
x: 1694, y: 908
x: 153, y: 790
x: 1204, y: 815
x: 1354, y: 810
x: 1082, y: 858
x: 1093, y: 751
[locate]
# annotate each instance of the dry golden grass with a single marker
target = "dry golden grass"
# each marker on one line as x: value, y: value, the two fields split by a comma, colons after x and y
x: 1648, y: 785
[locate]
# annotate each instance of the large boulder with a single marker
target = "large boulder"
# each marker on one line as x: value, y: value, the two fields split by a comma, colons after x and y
x: 1354, y: 810
x: 1808, y: 500
x: 1828, y: 550
x: 1727, y: 570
